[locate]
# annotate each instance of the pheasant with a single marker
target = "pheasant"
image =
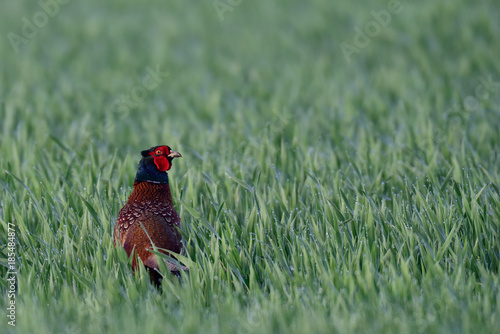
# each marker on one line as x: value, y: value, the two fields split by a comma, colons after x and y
x: 149, y: 216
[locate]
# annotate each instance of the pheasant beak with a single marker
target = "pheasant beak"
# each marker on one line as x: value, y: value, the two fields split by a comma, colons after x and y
x: 174, y: 154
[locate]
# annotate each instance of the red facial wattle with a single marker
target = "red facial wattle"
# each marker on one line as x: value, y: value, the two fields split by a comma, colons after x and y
x: 162, y: 163
x: 160, y: 158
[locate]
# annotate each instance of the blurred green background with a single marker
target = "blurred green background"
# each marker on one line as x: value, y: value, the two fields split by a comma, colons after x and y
x: 264, y: 57
x: 268, y: 112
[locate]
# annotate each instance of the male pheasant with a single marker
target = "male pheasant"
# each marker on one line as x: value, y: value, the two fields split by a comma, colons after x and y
x: 149, y: 216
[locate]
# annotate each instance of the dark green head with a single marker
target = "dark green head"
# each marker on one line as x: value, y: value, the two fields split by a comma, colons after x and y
x: 154, y: 164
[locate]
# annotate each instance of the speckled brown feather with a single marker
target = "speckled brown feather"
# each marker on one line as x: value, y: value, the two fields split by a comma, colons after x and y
x: 149, y: 216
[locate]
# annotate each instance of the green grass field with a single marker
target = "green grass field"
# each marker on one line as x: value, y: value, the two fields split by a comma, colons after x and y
x: 320, y: 191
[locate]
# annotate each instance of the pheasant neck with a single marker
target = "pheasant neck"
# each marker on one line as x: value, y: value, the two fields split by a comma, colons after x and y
x: 149, y: 191
x: 148, y: 172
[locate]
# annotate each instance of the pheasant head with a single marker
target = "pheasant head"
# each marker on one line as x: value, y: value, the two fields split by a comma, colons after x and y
x: 155, y: 162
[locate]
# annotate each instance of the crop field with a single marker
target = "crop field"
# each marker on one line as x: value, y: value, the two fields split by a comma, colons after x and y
x: 340, y: 169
